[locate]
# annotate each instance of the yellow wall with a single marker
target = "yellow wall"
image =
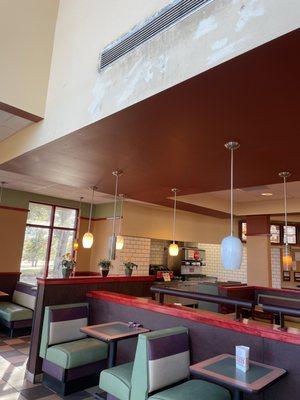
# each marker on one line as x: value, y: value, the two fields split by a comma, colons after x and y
x: 156, y: 222
x: 27, y: 35
x: 12, y: 229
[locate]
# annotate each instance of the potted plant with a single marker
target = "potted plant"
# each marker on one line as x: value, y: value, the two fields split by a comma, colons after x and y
x: 104, y: 267
x: 129, y: 267
x: 67, y: 265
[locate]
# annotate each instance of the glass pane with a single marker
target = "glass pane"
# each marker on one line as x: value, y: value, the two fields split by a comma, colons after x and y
x: 291, y: 234
x: 39, y: 214
x: 34, y: 253
x: 275, y: 233
x: 65, y: 217
x: 244, y: 231
x: 62, y: 243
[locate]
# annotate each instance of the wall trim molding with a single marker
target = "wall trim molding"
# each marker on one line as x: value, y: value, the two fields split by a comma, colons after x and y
x: 14, y: 208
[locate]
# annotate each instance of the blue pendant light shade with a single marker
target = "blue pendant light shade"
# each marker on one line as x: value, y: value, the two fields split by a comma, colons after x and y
x: 231, y: 252
x: 231, y: 246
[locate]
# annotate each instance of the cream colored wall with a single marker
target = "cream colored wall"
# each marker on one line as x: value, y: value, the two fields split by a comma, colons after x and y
x: 101, y: 229
x: 83, y: 257
x: 259, y: 261
x: 156, y: 222
x: 78, y: 95
x: 12, y: 229
x: 27, y: 35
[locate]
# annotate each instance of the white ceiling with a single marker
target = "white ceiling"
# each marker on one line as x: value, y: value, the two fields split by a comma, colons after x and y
x: 249, y: 201
x: 10, y: 124
x: 28, y: 184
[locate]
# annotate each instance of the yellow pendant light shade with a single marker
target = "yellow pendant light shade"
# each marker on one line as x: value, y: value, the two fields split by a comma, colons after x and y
x: 119, y: 242
x: 75, y: 245
x: 173, y: 249
x: 287, y: 259
x: 287, y: 262
x: 87, y: 240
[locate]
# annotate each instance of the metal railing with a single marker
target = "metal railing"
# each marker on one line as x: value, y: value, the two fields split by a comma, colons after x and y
x: 236, y: 303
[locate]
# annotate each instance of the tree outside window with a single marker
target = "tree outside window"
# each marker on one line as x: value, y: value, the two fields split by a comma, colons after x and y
x: 50, y: 232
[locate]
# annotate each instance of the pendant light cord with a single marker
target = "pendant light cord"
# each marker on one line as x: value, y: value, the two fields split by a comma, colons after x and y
x: 231, y: 194
x: 115, y: 203
x: 174, y: 214
x: 285, y: 210
x: 78, y: 218
x: 91, y: 209
x: 121, y: 214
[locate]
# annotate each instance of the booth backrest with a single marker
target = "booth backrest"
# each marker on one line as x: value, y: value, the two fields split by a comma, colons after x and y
x: 162, y: 359
x: 62, y: 324
x: 25, y: 295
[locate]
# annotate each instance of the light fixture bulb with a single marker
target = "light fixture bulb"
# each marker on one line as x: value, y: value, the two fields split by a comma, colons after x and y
x: 119, y: 242
x: 173, y: 249
x: 87, y: 240
x: 75, y: 245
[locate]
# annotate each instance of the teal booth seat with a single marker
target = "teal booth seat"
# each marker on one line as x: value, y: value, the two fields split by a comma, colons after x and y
x: 18, y: 313
x: 160, y: 371
x: 71, y: 360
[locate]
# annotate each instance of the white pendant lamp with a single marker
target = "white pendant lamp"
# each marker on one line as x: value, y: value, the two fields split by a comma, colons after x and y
x: 113, y: 237
x: 120, y: 238
x: 76, y: 240
x: 231, y: 246
x: 88, y: 238
x: 173, y: 248
x: 287, y: 260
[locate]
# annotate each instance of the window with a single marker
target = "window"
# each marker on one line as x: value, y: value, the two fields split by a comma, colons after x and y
x: 291, y: 234
x: 50, y: 232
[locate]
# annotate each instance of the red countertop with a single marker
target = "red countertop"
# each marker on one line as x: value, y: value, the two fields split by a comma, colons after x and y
x: 221, y: 320
x: 94, y: 279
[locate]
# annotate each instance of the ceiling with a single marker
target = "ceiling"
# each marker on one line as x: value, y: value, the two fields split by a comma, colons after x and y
x: 176, y: 138
x: 10, y: 124
x: 250, y: 200
x: 41, y: 186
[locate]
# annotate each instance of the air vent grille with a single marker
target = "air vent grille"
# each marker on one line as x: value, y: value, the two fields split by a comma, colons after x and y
x: 156, y: 24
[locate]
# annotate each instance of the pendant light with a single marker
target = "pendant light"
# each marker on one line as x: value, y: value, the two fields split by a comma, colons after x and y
x: 88, y: 238
x: 231, y: 246
x: 173, y: 248
x: 120, y: 238
x: 113, y: 237
x: 76, y: 240
x: 287, y: 260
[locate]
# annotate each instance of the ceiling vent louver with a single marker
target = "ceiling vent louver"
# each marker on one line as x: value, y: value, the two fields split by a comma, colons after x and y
x: 154, y: 25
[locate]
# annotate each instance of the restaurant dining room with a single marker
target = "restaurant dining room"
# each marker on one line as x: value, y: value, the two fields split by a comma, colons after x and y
x: 149, y: 200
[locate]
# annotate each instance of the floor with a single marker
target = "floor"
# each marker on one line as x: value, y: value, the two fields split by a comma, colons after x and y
x: 14, y: 386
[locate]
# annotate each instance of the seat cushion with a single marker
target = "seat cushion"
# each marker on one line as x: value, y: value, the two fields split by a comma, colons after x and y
x: 14, y: 312
x: 77, y: 353
x: 117, y: 381
x: 193, y: 390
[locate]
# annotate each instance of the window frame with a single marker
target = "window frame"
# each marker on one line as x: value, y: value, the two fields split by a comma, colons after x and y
x: 51, y: 228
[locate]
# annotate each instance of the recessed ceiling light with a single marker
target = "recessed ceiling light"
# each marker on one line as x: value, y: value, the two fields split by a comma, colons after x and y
x: 267, y: 194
